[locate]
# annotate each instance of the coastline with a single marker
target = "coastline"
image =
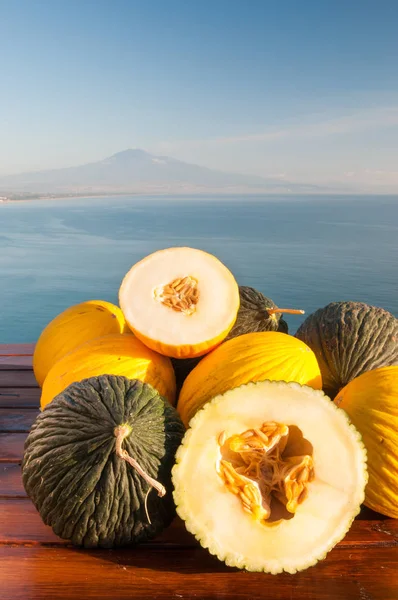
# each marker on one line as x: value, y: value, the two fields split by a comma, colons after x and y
x: 198, y: 195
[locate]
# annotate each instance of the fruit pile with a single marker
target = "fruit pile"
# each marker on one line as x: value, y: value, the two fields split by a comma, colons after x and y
x: 192, y: 398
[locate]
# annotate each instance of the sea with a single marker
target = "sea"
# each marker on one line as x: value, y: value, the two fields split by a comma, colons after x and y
x: 301, y: 251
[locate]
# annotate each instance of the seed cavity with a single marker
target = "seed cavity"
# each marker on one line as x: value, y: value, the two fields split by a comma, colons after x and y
x: 181, y: 295
x: 256, y: 466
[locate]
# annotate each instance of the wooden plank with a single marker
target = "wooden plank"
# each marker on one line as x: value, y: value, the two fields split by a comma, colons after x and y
x: 17, y: 378
x: 11, y: 481
x: 7, y: 349
x: 15, y: 363
x: 11, y: 447
x: 21, y: 523
x: 146, y: 573
x: 17, y: 420
x: 16, y: 397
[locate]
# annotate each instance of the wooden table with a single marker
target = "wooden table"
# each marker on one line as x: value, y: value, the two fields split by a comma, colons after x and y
x: 34, y: 563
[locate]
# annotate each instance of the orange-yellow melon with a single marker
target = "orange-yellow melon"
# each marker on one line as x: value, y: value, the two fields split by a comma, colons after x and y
x: 117, y: 354
x: 251, y: 357
x: 71, y: 328
x: 181, y: 302
x: 371, y: 403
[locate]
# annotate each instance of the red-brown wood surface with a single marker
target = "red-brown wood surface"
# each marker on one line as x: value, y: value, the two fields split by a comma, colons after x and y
x: 36, y: 564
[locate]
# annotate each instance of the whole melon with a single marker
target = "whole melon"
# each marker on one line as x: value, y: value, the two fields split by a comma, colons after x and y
x: 117, y: 354
x: 270, y: 476
x: 251, y: 357
x: 74, y: 326
x: 258, y: 313
x: 371, y: 402
x: 93, y: 456
x: 349, y: 338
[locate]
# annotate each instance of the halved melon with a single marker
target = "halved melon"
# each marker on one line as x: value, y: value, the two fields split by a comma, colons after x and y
x: 117, y: 354
x: 249, y: 357
x: 181, y: 302
x: 71, y: 328
x: 270, y: 476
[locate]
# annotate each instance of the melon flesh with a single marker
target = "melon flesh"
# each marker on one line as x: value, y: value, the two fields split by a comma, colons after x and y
x: 181, y: 302
x: 320, y: 454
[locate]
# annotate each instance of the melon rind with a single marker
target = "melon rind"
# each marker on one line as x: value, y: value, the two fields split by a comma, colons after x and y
x: 204, y: 534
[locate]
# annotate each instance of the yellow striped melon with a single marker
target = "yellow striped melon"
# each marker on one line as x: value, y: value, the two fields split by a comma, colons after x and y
x: 71, y: 328
x: 116, y: 354
x: 371, y: 402
x: 250, y: 357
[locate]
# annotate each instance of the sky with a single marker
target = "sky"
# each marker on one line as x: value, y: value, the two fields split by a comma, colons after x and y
x: 304, y: 90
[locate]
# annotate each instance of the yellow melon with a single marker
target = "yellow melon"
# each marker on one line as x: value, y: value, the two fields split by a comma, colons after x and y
x: 71, y: 328
x: 270, y: 476
x: 371, y: 402
x: 181, y: 302
x: 116, y: 354
x: 250, y: 357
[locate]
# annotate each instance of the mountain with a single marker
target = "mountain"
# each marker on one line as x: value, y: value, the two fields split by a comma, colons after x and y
x: 137, y: 171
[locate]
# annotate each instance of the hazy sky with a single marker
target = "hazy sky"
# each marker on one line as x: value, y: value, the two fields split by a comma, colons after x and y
x: 306, y: 90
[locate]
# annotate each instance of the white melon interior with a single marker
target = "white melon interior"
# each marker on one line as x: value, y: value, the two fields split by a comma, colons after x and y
x: 215, y: 515
x: 215, y: 311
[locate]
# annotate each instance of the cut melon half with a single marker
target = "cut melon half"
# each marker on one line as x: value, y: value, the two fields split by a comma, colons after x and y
x: 270, y: 476
x: 181, y: 302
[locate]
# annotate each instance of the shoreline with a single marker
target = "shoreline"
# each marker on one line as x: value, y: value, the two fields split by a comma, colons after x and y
x: 197, y: 195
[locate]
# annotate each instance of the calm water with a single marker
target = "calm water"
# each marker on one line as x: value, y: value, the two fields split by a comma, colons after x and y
x: 301, y: 252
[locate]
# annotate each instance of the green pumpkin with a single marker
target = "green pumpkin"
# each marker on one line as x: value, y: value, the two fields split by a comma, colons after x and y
x: 348, y: 339
x: 254, y: 314
x: 76, y: 460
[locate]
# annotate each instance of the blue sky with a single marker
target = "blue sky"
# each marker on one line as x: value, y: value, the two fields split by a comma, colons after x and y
x: 304, y: 90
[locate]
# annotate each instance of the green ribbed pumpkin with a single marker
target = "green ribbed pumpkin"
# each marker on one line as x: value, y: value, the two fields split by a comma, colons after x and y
x: 348, y: 339
x: 77, y: 478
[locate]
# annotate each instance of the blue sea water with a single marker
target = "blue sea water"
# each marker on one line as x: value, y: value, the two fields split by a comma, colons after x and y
x: 303, y: 252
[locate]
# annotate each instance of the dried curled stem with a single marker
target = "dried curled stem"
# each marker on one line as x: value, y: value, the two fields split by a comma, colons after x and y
x: 121, y: 432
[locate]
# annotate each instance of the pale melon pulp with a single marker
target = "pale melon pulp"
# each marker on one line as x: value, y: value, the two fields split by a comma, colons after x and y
x: 273, y: 482
x: 181, y: 302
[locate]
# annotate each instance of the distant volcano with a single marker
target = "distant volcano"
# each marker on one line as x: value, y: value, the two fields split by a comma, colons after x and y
x: 137, y: 171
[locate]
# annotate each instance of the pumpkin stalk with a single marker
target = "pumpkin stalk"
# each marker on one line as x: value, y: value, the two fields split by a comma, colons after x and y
x: 290, y: 311
x: 121, y: 432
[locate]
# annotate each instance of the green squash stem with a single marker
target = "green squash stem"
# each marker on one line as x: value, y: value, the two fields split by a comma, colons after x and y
x: 121, y: 432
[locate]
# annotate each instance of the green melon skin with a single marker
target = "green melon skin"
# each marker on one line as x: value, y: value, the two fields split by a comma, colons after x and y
x: 252, y: 316
x: 348, y: 339
x: 78, y: 484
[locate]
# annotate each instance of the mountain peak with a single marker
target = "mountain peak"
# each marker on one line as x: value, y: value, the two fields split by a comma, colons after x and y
x: 136, y: 171
x: 130, y: 153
